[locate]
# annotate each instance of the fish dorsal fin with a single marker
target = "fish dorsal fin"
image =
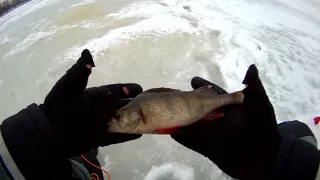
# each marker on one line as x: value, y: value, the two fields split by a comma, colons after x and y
x: 162, y: 89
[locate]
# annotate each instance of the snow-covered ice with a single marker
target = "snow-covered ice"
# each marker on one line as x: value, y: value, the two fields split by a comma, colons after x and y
x: 165, y: 43
x: 170, y: 171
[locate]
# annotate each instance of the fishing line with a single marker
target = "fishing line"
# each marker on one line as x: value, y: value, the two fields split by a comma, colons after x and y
x: 94, y: 176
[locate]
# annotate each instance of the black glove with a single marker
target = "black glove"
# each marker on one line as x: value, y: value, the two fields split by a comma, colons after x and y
x: 79, y: 116
x: 244, y: 142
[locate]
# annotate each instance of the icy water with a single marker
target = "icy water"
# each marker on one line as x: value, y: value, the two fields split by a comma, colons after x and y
x: 164, y: 43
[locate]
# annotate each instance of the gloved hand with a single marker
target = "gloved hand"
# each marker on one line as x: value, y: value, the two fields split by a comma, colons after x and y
x: 244, y: 142
x: 79, y: 116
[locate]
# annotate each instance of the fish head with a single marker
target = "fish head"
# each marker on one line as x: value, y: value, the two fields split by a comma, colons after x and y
x: 126, y: 120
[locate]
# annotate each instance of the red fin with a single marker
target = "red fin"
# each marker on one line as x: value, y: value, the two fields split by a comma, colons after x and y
x: 213, y: 115
x: 162, y: 89
x: 165, y: 130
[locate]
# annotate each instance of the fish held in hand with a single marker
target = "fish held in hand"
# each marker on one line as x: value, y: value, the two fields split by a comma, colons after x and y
x: 161, y: 110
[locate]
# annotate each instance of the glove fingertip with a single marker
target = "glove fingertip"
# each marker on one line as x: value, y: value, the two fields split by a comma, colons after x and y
x: 252, y: 75
x: 198, y: 82
x: 133, y: 89
x: 86, y: 58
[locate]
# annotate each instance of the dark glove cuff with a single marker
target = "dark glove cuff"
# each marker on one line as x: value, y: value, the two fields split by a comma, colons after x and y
x: 33, y: 144
x: 296, y: 160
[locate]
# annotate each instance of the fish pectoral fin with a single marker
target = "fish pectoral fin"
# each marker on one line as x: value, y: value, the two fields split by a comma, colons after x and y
x: 162, y: 89
x: 217, y: 114
x: 169, y: 130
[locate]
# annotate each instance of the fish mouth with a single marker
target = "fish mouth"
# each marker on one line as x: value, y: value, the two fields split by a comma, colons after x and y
x: 122, y: 102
